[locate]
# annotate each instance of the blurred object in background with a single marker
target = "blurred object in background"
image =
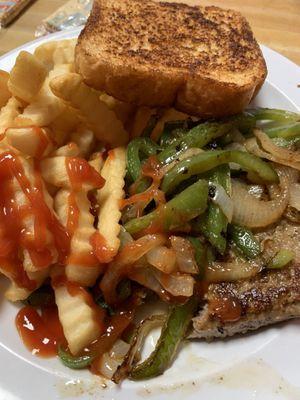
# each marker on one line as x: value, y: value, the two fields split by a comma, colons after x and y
x: 9, y: 10
x: 72, y: 14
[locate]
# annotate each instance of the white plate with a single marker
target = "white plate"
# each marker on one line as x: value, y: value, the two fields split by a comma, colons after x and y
x: 263, y: 365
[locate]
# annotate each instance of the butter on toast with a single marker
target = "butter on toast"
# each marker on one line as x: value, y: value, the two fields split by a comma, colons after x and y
x: 201, y: 60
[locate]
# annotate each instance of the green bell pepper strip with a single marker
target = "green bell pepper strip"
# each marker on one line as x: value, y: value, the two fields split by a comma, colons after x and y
x: 284, y: 131
x: 208, y: 160
x: 173, y: 332
x: 199, y: 254
x: 281, y: 259
x: 244, y: 122
x: 187, y: 205
x: 199, y: 136
x: 244, y: 240
x: 213, y: 224
x: 74, y: 362
x: 274, y: 114
x: 139, y: 145
x: 172, y: 133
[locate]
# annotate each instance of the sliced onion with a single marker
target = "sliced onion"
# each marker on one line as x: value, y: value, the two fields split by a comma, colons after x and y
x: 145, y: 277
x: 222, y: 199
x: 253, y: 147
x: 124, y: 261
x: 176, y: 284
x: 279, y: 152
x: 136, y: 344
x: 184, y: 255
x: 251, y: 212
x: 110, y: 361
x: 162, y: 258
x: 295, y: 196
x: 232, y: 271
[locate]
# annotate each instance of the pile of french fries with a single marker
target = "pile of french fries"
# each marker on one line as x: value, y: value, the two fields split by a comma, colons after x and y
x: 49, y: 114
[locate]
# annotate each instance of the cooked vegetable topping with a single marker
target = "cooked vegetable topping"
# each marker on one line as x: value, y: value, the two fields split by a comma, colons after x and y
x: 172, y: 333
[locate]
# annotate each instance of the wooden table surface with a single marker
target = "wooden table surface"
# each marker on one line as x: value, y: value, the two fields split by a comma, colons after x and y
x: 274, y: 22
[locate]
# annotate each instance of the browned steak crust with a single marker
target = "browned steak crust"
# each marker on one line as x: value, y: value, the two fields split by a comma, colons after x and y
x: 269, y: 297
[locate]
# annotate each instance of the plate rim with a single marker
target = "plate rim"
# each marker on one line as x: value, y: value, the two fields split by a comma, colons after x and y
x: 293, y: 93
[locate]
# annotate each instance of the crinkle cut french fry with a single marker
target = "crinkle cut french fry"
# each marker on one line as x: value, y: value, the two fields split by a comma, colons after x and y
x: 45, y: 107
x: 68, y: 150
x: 28, y: 221
x: 61, y: 205
x: 85, y: 275
x: 4, y: 91
x: 45, y: 52
x: 109, y: 197
x: 97, y: 161
x: 95, y: 113
x: 26, y: 77
x: 9, y: 113
x: 32, y: 141
x: 77, y: 319
x: 54, y: 171
x: 64, y: 125
x: 85, y: 139
x: 17, y: 293
x: 64, y: 52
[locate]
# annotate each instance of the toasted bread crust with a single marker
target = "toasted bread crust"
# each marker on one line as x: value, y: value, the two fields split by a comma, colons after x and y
x: 202, y: 60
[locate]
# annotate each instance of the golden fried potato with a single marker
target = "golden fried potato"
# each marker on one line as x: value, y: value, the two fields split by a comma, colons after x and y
x: 9, y: 113
x: 94, y: 112
x: 32, y: 141
x: 4, y: 91
x: 45, y: 107
x: 26, y: 77
x: 109, y: 197
x: 56, y: 52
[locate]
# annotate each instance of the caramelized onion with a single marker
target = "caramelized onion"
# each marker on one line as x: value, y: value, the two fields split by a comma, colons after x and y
x: 176, y: 284
x: 222, y: 200
x: 251, y: 212
x: 232, y: 271
x: 108, y: 364
x: 253, y: 147
x: 162, y: 258
x: 184, y: 254
x: 136, y: 344
x: 124, y: 261
x: 279, y: 152
x: 145, y: 277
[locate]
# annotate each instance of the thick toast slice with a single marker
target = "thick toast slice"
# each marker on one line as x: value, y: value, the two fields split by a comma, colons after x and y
x: 201, y: 60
